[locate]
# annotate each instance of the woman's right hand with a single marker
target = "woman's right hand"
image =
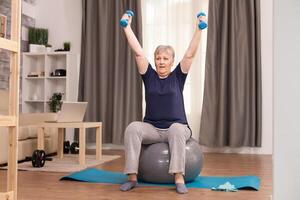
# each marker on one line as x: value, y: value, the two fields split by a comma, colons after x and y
x: 128, y: 18
x: 201, y: 18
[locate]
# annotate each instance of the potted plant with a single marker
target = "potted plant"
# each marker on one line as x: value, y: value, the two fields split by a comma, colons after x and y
x: 37, y: 38
x: 67, y: 46
x: 55, y: 102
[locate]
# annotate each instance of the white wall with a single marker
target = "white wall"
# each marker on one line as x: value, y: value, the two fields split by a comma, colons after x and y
x: 286, y: 99
x: 267, y: 85
x: 267, y: 75
x: 28, y: 9
x: 63, y: 20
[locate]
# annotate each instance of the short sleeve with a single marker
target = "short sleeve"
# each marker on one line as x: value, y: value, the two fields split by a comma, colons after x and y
x: 181, y: 77
x: 147, y: 75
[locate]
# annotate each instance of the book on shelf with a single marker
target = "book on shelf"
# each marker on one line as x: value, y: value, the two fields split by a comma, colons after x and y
x: 3, y: 25
x: 36, y: 74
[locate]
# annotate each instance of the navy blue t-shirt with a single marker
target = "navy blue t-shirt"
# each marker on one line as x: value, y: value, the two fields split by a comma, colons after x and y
x: 164, y: 98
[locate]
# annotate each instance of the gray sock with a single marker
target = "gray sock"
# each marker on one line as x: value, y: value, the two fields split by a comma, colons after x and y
x: 181, y: 188
x: 128, y: 185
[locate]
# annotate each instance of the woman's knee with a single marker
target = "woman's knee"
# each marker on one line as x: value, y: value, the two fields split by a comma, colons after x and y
x: 132, y: 129
x: 178, y: 130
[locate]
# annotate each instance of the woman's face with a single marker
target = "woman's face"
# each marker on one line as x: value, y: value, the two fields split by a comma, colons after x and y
x: 163, y: 63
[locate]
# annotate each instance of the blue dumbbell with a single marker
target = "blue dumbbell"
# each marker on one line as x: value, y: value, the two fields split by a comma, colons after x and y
x: 124, y: 22
x: 202, y: 25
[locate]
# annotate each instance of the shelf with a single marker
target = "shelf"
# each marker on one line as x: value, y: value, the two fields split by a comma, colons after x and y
x: 58, y: 53
x: 7, y: 195
x: 11, y: 120
x: 44, y: 87
x: 47, y: 101
x: 46, y: 53
x: 34, y: 101
x: 34, y: 78
x: 57, y: 77
x: 7, y: 121
x: 8, y: 44
x: 33, y: 54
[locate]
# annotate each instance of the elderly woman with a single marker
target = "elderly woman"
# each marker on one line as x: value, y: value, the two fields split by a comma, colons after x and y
x: 165, y: 118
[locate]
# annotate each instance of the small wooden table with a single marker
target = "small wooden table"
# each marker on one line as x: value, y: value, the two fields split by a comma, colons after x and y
x: 82, y: 127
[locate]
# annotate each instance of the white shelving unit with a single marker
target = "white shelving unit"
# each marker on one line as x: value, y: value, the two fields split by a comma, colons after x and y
x: 37, y: 91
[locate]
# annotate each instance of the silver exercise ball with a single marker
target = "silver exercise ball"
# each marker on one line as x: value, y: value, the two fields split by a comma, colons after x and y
x: 155, y: 159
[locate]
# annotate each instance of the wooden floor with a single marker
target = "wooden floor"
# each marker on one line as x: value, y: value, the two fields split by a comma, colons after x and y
x: 46, y: 186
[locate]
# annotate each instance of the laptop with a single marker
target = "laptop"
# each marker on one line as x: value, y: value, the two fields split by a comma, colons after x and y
x: 71, y: 112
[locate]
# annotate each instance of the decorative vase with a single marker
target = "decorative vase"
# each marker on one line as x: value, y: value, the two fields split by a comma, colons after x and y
x: 36, y: 48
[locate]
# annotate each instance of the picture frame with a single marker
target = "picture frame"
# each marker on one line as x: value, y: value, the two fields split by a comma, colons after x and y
x: 3, y: 25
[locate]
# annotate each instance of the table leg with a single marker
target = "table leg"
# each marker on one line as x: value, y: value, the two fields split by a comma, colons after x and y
x: 82, y: 146
x: 60, y: 143
x: 41, y: 138
x: 99, y: 142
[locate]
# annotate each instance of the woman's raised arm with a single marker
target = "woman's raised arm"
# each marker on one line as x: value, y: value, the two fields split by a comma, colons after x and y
x: 133, y: 42
x: 190, y: 53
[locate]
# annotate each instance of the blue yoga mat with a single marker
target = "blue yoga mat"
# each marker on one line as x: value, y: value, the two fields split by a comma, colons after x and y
x: 102, y: 176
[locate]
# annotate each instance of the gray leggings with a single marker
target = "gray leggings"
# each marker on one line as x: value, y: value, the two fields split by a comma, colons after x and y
x: 138, y: 133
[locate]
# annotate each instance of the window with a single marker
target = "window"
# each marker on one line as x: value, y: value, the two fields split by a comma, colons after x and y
x: 173, y: 22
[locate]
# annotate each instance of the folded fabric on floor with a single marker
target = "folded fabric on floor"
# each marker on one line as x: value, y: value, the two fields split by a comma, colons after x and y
x: 209, y: 182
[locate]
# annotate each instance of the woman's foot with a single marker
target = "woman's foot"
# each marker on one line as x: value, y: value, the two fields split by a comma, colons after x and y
x: 130, y: 184
x: 180, y: 185
x: 181, y: 188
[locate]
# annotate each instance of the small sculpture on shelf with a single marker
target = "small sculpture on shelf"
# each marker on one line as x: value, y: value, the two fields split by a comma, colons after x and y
x: 55, y: 102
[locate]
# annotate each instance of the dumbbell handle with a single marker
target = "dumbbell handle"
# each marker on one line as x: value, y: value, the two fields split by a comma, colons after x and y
x: 124, y: 22
x: 202, y: 25
x: 46, y: 158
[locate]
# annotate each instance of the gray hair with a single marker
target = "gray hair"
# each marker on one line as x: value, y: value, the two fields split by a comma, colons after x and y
x: 164, y: 48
